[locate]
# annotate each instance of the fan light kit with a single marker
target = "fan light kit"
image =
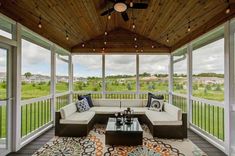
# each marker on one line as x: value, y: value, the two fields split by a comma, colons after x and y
x: 120, y: 7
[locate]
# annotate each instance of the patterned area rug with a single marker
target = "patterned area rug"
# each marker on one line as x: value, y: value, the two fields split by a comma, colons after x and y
x: 94, y: 144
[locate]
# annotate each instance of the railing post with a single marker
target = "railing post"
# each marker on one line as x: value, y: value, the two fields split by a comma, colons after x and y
x: 170, y: 81
x: 70, y: 79
x: 229, y: 93
x: 189, y: 82
x: 16, y: 107
x: 53, y: 82
x: 137, y: 77
x: 103, y: 77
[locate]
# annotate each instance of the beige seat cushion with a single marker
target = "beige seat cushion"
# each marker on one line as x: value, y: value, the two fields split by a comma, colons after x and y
x: 137, y: 110
x: 78, y: 118
x: 68, y: 110
x: 173, y: 111
x: 106, y: 110
x: 162, y: 118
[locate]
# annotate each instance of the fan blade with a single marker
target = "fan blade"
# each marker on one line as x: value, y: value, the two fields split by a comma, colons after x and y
x: 109, y: 11
x: 125, y: 16
x: 139, y: 6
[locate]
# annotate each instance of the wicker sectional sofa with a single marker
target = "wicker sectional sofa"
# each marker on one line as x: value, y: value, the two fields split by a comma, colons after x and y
x: 170, y: 123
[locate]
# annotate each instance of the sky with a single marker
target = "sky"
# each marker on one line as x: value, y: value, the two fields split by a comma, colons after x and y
x: 36, y: 60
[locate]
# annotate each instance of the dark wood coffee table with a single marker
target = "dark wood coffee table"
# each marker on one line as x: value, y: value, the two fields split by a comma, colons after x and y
x: 129, y: 135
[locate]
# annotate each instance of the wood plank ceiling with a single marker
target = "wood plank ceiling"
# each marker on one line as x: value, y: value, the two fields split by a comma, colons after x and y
x: 165, y: 21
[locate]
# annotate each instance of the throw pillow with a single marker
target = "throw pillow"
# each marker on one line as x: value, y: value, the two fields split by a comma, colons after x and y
x: 82, y: 105
x: 156, y: 105
x: 88, y: 97
x: 150, y: 96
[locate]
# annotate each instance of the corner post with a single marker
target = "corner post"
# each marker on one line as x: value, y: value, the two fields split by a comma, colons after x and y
x: 137, y: 77
x: 170, y: 81
x: 229, y: 102
x: 16, y: 107
x: 103, y: 77
x: 70, y: 79
x: 189, y: 83
x: 53, y: 82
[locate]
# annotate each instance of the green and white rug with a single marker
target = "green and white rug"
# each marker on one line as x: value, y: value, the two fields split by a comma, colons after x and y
x: 94, y: 144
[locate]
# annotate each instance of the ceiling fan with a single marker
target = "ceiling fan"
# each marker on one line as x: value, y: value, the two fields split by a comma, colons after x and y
x: 121, y: 6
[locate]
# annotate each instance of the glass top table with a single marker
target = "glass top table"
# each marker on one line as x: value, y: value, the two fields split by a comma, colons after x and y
x: 133, y: 127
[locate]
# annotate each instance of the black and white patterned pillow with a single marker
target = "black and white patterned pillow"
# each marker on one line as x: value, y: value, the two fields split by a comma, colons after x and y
x: 82, y: 105
x: 156, y: 105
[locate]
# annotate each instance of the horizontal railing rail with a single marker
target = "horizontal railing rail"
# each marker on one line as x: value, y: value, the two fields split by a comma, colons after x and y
x: 35, y: 113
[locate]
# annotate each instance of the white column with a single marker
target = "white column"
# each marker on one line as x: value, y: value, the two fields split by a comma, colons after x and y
x: 189, y: 83
x: 137, y: 77
x: 16, y: 107
x: 53, y: 82
x: 70, y: 79
x: 229, y: 114
x: 103, y: 76
x: 170, y: 81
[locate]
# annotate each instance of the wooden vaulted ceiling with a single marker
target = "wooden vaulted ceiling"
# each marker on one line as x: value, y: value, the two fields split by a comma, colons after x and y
x: 82, y: 21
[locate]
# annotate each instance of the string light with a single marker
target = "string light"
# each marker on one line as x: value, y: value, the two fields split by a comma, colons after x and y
x: 105, y: 42
x: 103, y: 49
x: 67, y: 36
x: 109, y: 16
x: 135, y: 39
x: 40, y: 23
x: 136, y: 46
x: 167, y: 39
x: 228, y: 10
x: 93, y: 49
x: 131, y: 4
x: 142, y: 50
x: 189, y: 28
x: 105, y: 33
x: 83, y: 45
x: 133, y: 26
x: 152, y: 46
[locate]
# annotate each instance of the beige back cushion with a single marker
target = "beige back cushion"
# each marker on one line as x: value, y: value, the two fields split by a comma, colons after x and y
x: 173, y: 111
x: 68, y: 110
x: 116, y: 102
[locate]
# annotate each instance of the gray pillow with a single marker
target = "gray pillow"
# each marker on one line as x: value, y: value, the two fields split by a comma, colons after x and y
x: 156, y: 105
x: 82, y: 105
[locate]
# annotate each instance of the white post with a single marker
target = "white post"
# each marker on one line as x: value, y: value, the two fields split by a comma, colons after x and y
x: 103, y: 76
x: 16, y: 107
x: 229, y: 114
x: 53, y: 82
x: 70, y: 79
x: 189, y: 82
x: 170, y: 80
x: 137, y: 77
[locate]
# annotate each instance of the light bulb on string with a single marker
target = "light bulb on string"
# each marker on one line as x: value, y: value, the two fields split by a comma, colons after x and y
x: 105, y: 33
x: 228, y: 9
x: 133, y: 26
x: 131, y: 4
x: 109, y: 16
x: 83, y: 45
x: 40, y: 23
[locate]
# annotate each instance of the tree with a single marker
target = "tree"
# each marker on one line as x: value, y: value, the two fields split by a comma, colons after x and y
x: 218, y: 88
x: 27, y: 75
x: 129, y: 86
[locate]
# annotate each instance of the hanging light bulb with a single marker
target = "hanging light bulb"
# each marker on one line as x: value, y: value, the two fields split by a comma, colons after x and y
x: 131, y: 4
x: 135, y: 39
x: 136, y: 46
x: 189, y: 29
x: 83, y: 45
x: 105, y: 33
x: 103, y: 48
x: 105, y: 42
x: 133, y: 26
x: 142, y: 50
x: 167, y: 39
x: 152, y: 46
x: 39, y: 23
x: 109, y: 16
x: 67, y: 36
x: 94, y: 49
x: 228, y: 10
